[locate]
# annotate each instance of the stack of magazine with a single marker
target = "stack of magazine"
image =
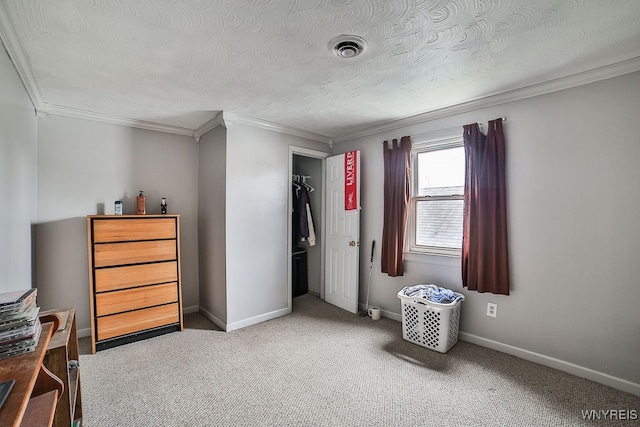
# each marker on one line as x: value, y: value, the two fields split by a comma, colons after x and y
x: 20, y: 326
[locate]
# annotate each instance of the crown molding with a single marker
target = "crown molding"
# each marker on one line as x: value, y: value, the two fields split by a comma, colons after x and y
x: 223, y: 118
x: 114, y: 120
x: 231, y: 118
x: 217, y: 120
x: 15, y: 51
x: 228, y: 119
x: 21, y: 62
x: 579, y: 79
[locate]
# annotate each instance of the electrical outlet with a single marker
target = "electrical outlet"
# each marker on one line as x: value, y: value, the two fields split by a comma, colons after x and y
x: 492, y: 309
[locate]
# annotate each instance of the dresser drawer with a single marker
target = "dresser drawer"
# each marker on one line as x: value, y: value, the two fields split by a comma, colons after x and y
x: 125, y: 230
x: 136, y: 298
x: 110, y: 254
x: 114, y: 278
x: 136, y: 321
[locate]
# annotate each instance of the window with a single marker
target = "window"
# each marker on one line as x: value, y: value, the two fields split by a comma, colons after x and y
x: 437, y: 196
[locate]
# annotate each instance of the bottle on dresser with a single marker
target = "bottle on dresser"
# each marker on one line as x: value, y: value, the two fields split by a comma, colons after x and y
x: 142, y: 204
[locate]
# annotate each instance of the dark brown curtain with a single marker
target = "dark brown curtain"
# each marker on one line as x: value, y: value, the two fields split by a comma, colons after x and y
x: 485, y: 263
x: 397, y: 175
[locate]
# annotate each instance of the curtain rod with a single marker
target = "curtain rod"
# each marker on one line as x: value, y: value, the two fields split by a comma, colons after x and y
x: 436, y: 134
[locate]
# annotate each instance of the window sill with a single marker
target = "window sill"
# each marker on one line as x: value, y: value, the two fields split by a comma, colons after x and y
x: 452, y: 261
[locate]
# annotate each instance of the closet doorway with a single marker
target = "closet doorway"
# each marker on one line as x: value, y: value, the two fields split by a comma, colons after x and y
x: 306, y: 255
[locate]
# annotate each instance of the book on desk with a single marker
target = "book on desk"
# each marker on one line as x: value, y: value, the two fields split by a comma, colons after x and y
x: 20, y: 326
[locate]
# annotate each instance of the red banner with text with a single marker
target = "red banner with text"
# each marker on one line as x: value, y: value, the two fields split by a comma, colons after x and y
x: 350, y: 181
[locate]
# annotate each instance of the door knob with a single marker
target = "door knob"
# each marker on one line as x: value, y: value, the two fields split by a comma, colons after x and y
x: 353, y: 243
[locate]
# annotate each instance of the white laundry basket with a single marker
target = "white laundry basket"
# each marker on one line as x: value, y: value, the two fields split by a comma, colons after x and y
x: 430, y: 324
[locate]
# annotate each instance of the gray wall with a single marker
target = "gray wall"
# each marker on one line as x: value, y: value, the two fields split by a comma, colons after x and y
x: 255, y: 241
x: 18, y: 176
x: 212, y: 169
x: 574, y: 232
x: 257, y: 165
x: 83, y: 167
x: 257, y: 188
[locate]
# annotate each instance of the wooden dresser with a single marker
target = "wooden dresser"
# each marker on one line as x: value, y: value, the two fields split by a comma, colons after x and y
x: 134, y: 277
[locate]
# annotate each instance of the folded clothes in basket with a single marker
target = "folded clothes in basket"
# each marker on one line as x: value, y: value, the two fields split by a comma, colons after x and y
x: 432, y: 293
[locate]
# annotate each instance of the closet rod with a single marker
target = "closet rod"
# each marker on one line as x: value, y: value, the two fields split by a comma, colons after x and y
x: 448, y: 131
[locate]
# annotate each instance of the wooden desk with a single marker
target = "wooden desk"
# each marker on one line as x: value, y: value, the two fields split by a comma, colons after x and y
x: 62, y: 348
x: 32, y: 400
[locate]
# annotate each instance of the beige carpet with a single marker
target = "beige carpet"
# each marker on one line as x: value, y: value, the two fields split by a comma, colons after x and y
x: 322, y: 366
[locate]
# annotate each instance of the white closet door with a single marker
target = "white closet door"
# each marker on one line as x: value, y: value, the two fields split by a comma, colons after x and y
x: 342, y: 234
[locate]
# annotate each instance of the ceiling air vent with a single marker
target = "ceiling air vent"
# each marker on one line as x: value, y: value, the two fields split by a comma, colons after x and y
x: 347, y: 46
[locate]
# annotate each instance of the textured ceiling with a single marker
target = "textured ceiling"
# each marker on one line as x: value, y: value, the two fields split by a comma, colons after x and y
x: 178, y: 63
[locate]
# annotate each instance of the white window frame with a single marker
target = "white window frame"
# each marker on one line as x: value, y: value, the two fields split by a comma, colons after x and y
x: 429, y: 142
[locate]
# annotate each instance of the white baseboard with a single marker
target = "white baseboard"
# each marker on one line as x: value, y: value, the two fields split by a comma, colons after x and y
x: 190, y: 310
x: 384, y: 313
x: 541, y: 359
x: 83, y: 333
x: 257, y: 319
x: 219, y: 323
x: 228, y: 327
x: 551, y: 362
x: 391, y: 315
